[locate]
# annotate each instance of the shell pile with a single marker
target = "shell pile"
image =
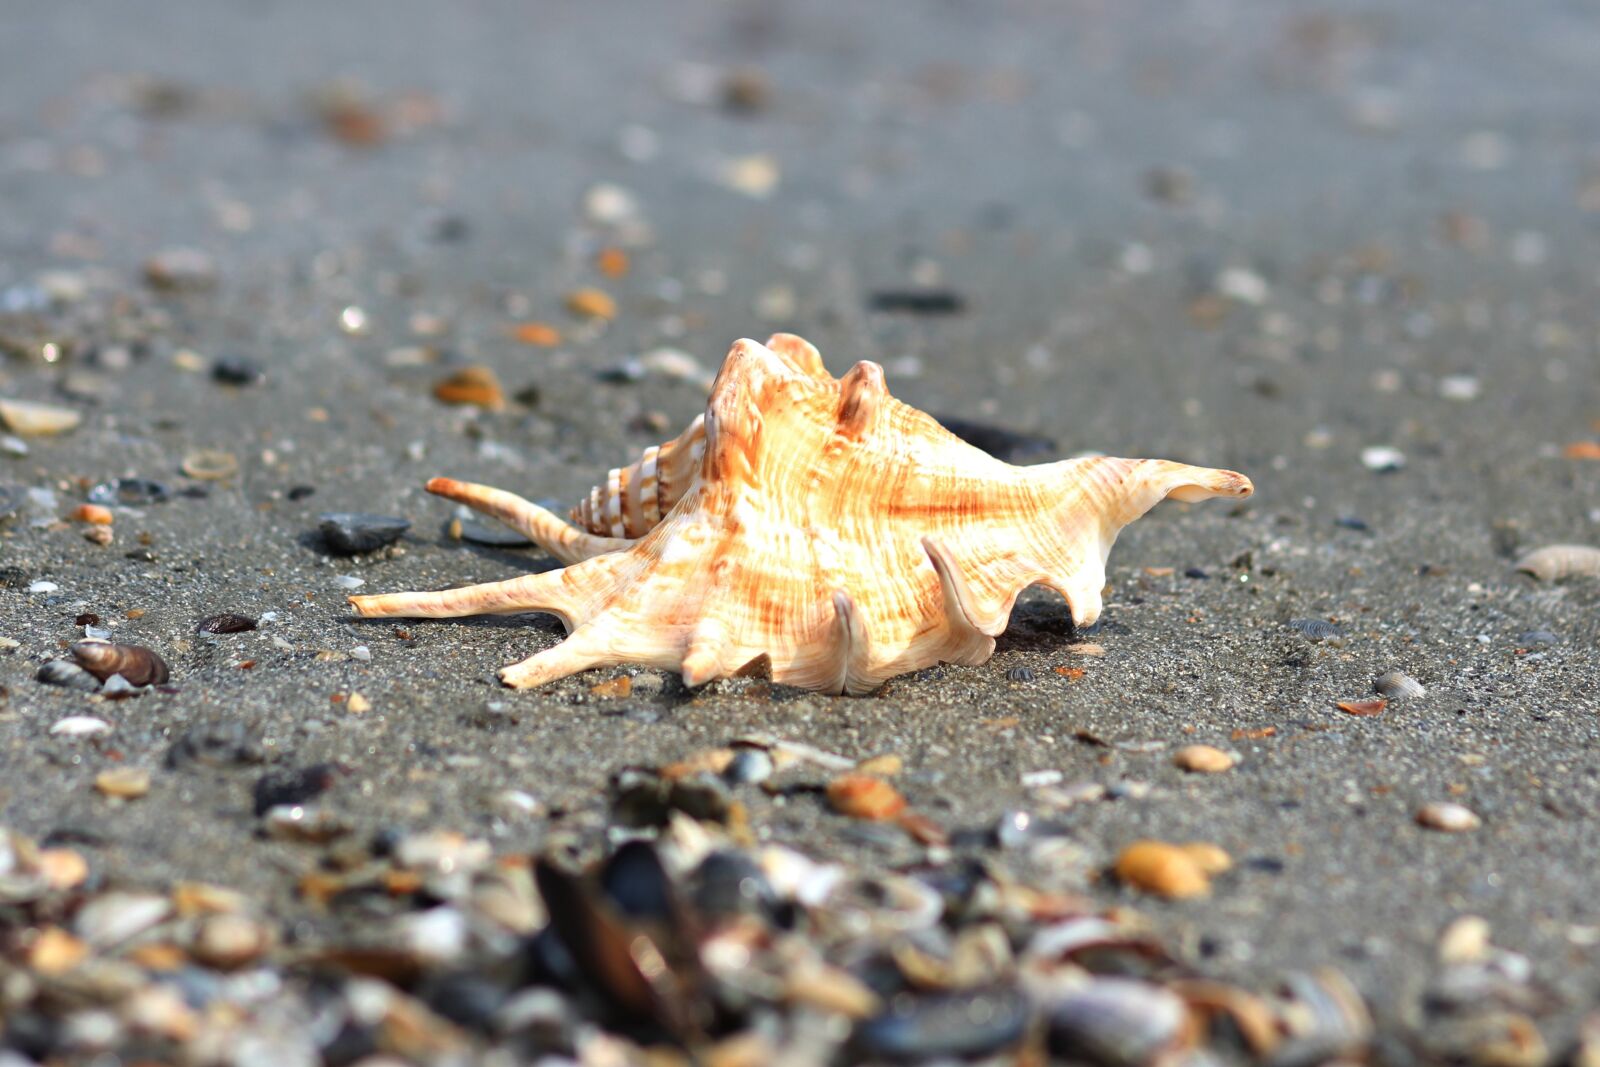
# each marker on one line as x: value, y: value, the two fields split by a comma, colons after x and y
x: 814, y: 526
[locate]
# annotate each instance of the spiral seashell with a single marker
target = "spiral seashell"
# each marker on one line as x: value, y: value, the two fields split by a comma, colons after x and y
x: 826, y: 529
x: 1554, y: 562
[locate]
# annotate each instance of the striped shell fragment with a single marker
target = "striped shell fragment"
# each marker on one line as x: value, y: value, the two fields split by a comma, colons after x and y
x: 814, y: 527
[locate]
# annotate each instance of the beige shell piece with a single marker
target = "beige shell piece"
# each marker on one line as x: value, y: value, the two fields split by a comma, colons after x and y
x: 828, y: 529
x: 1555, y: 562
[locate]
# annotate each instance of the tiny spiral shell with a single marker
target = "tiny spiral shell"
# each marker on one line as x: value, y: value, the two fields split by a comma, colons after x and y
x: 635, y: 497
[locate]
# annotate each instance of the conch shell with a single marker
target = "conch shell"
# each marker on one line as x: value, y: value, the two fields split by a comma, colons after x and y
x: 826, y: 528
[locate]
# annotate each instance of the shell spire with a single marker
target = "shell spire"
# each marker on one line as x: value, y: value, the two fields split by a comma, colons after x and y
x: 816, y: 526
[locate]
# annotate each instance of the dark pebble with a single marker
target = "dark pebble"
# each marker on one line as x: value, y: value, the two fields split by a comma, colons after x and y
x: 749, y: 766
x: 917, y: 301
x: 1020, y: 674
x: 300, y: 492
x: 216, y: 744
x: 232, y: 371
x: 351, y: 532
x: 1352, y: 522
x: 67, y: 675
x: 465, y: 998
x: 225, y: 624
x: 1315, y: 629
x: 950, y: 1026
x: 1009, y: 445
x: 88, y: 618
x: 130, y: 492
x: 294, y: 786
x: 1537, y: 637
x: 727, y: 885
x: 1196, y: 573
x: 636, y: 883
x: 1264, y: 864
x: 12, y: 577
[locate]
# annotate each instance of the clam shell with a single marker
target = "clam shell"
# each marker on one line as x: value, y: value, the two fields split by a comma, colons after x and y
x: 1398, y: 685
x: 1554, y: 562
x: 135, y: 663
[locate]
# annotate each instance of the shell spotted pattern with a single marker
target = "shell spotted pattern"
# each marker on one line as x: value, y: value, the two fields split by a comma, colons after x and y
x: 825, y: 530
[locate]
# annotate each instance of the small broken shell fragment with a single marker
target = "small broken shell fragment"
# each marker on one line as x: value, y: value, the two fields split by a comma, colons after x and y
x: 1364, y: 708
x: 226, y: 623
x: 476, y: 385
x: 1555, y: 562
x: 93, y: 514
x: 1211, y: 859
x: 1117, y: 1022
x: 592, y: 304
x: 1203, y: 759
x: 210, y: 465
x: 1465, y: 940
x: 1448, y: 817
x: 1163, y: 869
x: 1398, y: 685
x: 137, y: 665
x: 126, y: 783
x: 862, y: 796
x: 37, y: 420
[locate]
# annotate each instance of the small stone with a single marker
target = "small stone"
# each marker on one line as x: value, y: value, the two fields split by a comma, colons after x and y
x: 180, y: 270
x: 358, y: 704
x: 1163, y: 869
x: 230, y: 370
x: 95, y: 514
x: 42, y: 586
x: 615, y: 687
x: 1203, y: 759
x: 353, y: 320
x: 54, y: 951
x: 749, y: 766
x: 127, y: 783
x: 1448, y: 817
x: 294, y: 785
x: 756, y: 176
x: 63, y: 868
x: 1462, y: 387
x: 1211, y: 859
x: 1020, y: 674
x: 590, y: 303
x: 1382, y: 459
x: 862, y: 796
x: 37, y: 420
x: 539, y: 334
x: 442, y: 850
x: 228, y: 942
x: 609, y: 204
x: 361, y: 653
x: 348, y: 581
x: 476, y: 385
x: 350, y: 533
x: 1465, y: 940
x: 99, y: 535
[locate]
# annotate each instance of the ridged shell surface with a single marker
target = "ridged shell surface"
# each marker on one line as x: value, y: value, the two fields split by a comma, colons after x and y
x: 828, y: 530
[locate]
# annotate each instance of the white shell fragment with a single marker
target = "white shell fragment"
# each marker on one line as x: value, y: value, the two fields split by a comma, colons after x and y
x: 1382, y: 458
x: 1398, y: 685
x: 37, y: 420
x: 1554, y: 562
x: 79, y: 726
x: 1448, y: 817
